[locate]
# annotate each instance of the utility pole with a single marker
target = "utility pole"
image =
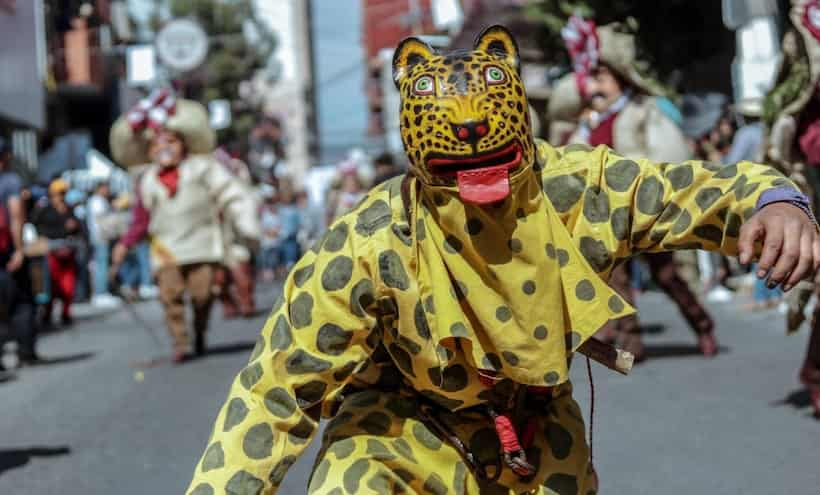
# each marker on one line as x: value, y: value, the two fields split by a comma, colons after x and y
x: 415, y: 17
x: 314, y: 142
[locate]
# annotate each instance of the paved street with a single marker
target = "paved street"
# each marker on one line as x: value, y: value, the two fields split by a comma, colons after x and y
x: 680, y: 424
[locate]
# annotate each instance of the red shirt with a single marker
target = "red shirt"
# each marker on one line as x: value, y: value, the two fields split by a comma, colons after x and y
x: 604, y: 133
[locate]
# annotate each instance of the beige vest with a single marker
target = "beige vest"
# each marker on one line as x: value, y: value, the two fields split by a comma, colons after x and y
x: 184, y: 228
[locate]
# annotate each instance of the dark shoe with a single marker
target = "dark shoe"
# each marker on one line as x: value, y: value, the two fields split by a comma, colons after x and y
x: 199, y: 344
x: 29, y: 360
x: 67, y: 320
x: 707, y: 344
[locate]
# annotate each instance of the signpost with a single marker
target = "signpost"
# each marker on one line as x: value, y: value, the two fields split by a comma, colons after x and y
x: 182, y: 45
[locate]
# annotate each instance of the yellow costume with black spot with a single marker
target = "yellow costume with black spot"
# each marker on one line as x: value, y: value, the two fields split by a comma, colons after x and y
x: 387, y: 324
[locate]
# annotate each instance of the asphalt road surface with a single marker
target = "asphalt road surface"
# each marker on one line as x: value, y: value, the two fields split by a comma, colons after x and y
x: 98, y: 420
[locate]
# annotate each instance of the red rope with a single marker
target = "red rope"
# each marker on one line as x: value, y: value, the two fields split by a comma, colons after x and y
x: 591, y: 407
x: 506, y: 433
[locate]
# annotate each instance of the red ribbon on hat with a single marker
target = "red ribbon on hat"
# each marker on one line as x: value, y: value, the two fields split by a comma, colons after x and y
x: 152, y: 112
x: 811, y: 18
x: 582, y: 42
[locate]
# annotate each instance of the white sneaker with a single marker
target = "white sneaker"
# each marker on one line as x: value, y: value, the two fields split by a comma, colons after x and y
x: 148, y: 292
x: 719, y: 294
x: 105, y: 301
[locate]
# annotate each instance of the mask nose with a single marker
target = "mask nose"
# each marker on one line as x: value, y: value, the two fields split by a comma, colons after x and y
x: 471, y: 131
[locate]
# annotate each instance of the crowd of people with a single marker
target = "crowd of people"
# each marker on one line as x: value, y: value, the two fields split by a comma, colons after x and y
x: 81, y: 247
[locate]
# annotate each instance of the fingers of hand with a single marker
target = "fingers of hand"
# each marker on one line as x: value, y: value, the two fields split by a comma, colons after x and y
x: 806, y: 262
x: 773, y: 244
x: 749, y: 233
x: 787, y: 260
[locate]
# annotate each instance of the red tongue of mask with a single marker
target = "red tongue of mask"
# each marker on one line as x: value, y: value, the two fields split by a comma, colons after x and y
x: 484, y: 185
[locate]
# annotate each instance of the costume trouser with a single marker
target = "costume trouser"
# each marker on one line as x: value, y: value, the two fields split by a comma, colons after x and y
x: 174, y: 281
x: 63, y: 270
x: 17, y: 303
x: 377, y: 444
x: 665, y: 275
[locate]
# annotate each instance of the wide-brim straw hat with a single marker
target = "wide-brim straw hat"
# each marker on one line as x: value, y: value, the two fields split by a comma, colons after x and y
x: 190, y: 120
x: 800, y: 12
x: 618, y: 50
x: 565, y: 101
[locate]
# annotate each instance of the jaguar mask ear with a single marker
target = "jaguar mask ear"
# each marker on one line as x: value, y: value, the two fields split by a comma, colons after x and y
x: 499, y: 42
x: 410, y: 52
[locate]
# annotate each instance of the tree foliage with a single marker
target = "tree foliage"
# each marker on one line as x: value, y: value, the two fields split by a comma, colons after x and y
x: 240, y: 44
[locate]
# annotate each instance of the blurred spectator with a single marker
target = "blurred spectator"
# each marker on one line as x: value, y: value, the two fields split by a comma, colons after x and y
x: 266, y: 149
x: 764, y: 297
x: 349, y: 189
x: 385, y: 168
x: 271, y: 226
x: 312, y: 221
x: 747, y: 142
x: 704, y: 123
x: 56, y: 222
x: 290, y: 218
x: 702, y: 119
x: 101, y: 233
x: 134, y: 276
x: 76, y: 201
x: 16, y: 295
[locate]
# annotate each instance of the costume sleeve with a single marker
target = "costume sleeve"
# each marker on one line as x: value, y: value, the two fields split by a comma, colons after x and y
x: 140, y: 220
x: 615, y: 207
x: 314, y: 340
x: 234, y: 199
x: 691, y: 205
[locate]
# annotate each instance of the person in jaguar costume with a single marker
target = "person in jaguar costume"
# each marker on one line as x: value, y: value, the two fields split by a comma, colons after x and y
x: 435, y: 324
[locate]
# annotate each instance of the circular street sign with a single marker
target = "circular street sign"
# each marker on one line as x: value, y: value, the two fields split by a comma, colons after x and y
x: 182, y: 45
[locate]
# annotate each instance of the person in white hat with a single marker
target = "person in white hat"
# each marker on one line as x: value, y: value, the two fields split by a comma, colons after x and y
x: 628, y: 112
x: 179, y: 198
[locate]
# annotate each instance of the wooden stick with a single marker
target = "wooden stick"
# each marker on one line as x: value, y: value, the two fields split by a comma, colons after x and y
x: 608, y: 355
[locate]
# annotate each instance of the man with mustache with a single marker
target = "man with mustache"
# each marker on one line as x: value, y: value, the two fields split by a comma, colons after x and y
x: 624, y: 113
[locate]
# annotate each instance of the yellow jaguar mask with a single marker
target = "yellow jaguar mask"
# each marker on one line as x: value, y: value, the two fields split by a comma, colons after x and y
x: 464, y: 118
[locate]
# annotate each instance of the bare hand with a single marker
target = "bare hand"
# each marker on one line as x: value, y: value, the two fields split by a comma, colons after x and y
x: 15, y: 262
x: 791, y: 244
